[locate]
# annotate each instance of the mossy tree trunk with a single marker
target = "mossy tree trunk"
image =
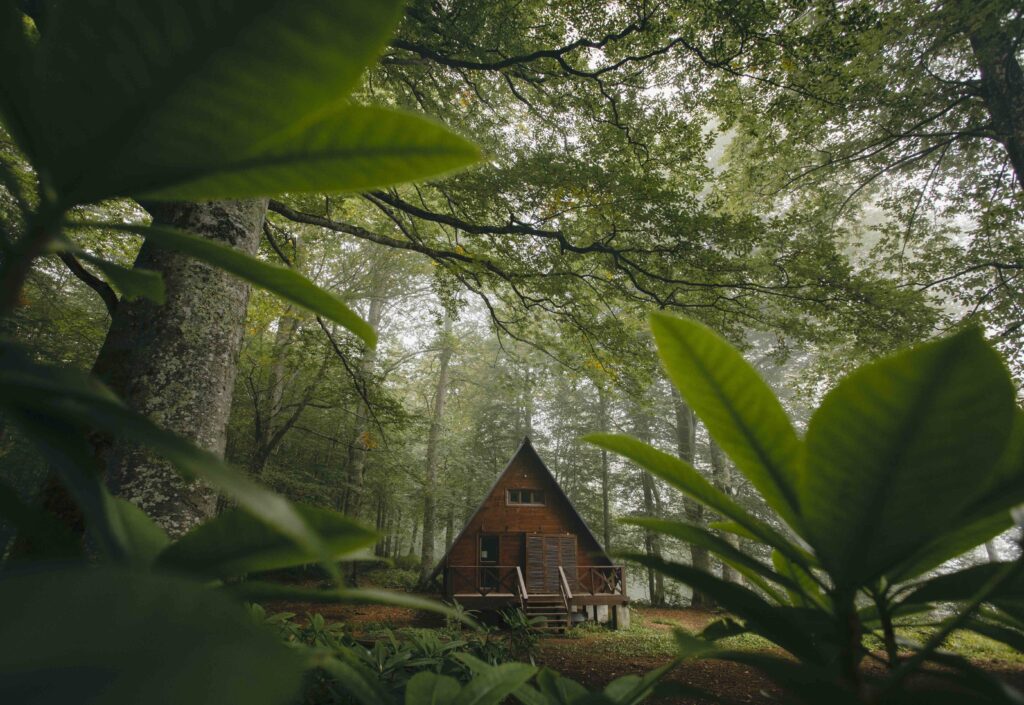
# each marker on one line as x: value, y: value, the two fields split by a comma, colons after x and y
x: 176, y: 363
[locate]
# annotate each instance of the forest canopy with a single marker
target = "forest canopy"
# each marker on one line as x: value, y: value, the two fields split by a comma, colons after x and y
x: 316, y: 269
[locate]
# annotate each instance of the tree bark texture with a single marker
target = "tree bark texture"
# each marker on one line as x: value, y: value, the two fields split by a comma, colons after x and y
x: 686, y: 447
x: 367, y: 366
x: 1002, y: 80
x: 606, y: 519
x: 722, y: 469
x: 433, y: 442
x: 176, y: 363
x: 652, y: 541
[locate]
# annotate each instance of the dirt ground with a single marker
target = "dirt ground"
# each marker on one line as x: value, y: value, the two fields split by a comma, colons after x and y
x: 597, y: 657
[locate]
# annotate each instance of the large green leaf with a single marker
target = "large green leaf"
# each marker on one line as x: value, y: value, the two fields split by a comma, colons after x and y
x: 285, y: 282
x: 984, y: 518
x: 963, y: 585
x: 494, y: 686
x: 426, y: 688
x: 807, y: 634
x: 526, y: 694
x: 687, y: 480
x: 135, y: 87
x: 130, y: 282
x: 754, y: 570
x: 255, y: 590
x: 558, y: 690
x: 53, y: 404
x: 117, y: 635
x: 739, y: 410
x: 236, y: 543
x: 632, y: 689
x: 805, y: 682
x: 355, y: 149
x: 899, y: 449
x: 808, y: 592
x: 360, y: 683
x: 15, y: 81
x: 64, y: 446
x: 143, y: 538
x: 950, y: 544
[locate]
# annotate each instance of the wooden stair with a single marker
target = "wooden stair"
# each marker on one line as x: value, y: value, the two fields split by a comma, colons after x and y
x: 552, y: 609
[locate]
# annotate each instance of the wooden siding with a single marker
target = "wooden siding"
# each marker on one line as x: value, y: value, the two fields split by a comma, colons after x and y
x: 515, y: 523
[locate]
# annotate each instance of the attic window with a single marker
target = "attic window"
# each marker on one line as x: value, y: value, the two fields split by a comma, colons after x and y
x: 527, y: 497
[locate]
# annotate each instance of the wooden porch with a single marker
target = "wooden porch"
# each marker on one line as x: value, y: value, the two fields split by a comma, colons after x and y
x: 499, y: 586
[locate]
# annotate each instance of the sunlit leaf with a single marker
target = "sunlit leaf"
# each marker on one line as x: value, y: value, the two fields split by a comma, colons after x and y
x: 899, y: 449
x: 750, y: 567
x: 739, y: 410
x: 686, y: 479
x: 236, y: 542
x: 282, y: 281
x: 146, y: 87
x: 355, y: 149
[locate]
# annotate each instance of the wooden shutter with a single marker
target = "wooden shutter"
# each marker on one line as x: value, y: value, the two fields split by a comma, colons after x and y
x: 544, y: 554
x: 552, y: 559
x: 534, y: 563
x: 568, y: 551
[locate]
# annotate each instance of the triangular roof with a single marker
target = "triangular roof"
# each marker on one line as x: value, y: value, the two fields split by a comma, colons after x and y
x: 525, y: 448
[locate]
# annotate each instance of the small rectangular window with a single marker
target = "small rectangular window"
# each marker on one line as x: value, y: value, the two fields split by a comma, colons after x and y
x: 528, y: 497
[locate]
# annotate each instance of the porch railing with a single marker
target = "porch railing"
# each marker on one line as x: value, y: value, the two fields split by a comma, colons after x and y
x: 524, y: 596
x: 601, y: 579
x: 563, y: 587
x: 484, y: 579
x: 509, y: 580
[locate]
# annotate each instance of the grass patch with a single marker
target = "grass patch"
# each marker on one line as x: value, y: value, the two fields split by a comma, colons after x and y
x: 648, y: 637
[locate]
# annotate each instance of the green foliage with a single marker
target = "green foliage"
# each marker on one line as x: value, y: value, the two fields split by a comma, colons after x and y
x: 235, y: 543
x: 422, y: 666
x: 904, y: 457
x: 118, y: 632
x: 394, y: 578
x: 193, y: 119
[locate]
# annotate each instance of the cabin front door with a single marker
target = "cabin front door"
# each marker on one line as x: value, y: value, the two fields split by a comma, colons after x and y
x: 490, y: 550
x: 544, y: 554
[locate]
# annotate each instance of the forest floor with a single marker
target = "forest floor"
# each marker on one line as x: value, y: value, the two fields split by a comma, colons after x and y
x: 594, y: 655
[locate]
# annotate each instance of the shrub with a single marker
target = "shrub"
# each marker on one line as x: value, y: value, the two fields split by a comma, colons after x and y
x: 908, y: 462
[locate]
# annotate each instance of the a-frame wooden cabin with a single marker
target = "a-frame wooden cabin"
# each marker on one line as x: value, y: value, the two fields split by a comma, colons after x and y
x: 527, y: 546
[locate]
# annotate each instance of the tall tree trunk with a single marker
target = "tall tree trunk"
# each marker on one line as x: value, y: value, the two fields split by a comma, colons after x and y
x: 686, y: 447
x: 449, y: 529
x: 415, y: 533
x: 378, y: 549
x: 1002, y: 80
x: 279, y: 428
x: 652, y: 541
x: 722, y: 470
x: 361, y: 442
x: 176, y: 363
x: 433, y: 441
x: 606, y: 520
x: 264, y: 417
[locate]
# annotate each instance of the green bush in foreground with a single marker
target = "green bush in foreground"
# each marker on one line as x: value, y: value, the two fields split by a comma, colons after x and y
x: 908, y: 462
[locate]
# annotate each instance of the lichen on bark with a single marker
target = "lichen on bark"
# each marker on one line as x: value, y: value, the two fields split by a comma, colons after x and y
x: 176, y: 363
